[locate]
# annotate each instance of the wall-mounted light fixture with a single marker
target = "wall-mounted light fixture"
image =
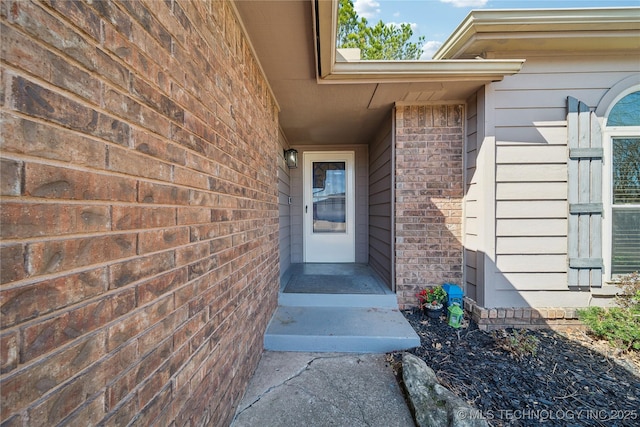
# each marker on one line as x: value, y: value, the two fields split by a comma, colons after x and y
x: 291, y: 157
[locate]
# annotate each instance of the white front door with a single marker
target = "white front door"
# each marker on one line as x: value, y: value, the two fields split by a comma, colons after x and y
x: 329, y: 206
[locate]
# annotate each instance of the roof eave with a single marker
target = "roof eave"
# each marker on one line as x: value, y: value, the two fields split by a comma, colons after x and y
x: 536, y: 21
x: 330, y: 71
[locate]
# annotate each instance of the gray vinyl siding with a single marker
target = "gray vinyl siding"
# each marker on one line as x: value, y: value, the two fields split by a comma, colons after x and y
x: 380, y: 207
x: 284, y: 191
x: 362, y: 200
x: 471, y: 200
x: 362, y: 204
x: 531, y: 154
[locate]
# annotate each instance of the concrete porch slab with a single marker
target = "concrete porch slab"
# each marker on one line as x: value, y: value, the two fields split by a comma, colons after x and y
x: 334, y: 284
x: 333, y: 279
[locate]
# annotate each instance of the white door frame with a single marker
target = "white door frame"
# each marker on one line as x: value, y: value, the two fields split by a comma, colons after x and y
x: 329, y: 247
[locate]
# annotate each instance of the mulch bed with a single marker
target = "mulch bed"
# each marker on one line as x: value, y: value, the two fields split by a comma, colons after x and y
x: 571, y: 381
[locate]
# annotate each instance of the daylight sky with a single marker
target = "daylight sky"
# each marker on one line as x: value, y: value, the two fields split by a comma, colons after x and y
x: 437, y: 19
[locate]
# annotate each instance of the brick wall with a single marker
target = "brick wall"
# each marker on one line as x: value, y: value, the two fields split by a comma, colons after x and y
x: 428, y: 205
x: 139, y: 216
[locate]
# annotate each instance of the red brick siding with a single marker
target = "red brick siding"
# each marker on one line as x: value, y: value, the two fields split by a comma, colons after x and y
x: 428, y: 199
x: 139, y: 217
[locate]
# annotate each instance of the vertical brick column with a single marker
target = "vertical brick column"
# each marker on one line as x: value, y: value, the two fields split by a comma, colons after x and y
x: 428, y: 199
x: 139, y: 216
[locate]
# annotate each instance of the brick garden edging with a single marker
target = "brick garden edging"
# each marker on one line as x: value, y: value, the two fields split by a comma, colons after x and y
x: 489, y: 319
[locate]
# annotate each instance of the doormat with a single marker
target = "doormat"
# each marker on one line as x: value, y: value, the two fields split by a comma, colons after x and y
x: 332, y: 284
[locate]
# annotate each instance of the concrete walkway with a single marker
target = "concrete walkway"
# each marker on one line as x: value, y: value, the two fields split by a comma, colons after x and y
x: 323, y: 389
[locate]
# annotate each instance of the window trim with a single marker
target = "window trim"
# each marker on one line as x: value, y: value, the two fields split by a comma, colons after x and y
x: 609, y: 133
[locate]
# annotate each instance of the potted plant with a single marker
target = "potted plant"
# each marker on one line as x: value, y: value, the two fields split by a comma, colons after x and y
x: 431, y: 301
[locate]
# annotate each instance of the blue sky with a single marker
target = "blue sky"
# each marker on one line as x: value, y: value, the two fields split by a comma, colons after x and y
x: 437, y: 19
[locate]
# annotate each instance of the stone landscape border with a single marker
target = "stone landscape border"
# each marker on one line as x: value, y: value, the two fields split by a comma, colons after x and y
x: 432, y: 404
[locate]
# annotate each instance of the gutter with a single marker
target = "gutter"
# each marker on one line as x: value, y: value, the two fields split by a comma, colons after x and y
x: 416, y: 71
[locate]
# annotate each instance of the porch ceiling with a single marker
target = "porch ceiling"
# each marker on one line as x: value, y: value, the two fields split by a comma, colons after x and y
x: 339, y: 110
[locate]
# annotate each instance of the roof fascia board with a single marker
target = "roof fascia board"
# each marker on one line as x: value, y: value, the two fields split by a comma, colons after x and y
x: 556, y: 35
x: 414, y: 71
x: 330, y: 71
x: 326, y: 23
x: 548, y: 21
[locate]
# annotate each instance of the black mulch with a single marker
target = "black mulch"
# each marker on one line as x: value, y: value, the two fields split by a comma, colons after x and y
x: 564, y: 384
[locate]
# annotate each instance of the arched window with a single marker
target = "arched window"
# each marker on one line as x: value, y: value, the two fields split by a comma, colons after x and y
x: 626, y: 112
x: 622, y: 188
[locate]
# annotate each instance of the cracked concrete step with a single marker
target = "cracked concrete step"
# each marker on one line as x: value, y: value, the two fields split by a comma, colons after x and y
x: 339, y: 329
